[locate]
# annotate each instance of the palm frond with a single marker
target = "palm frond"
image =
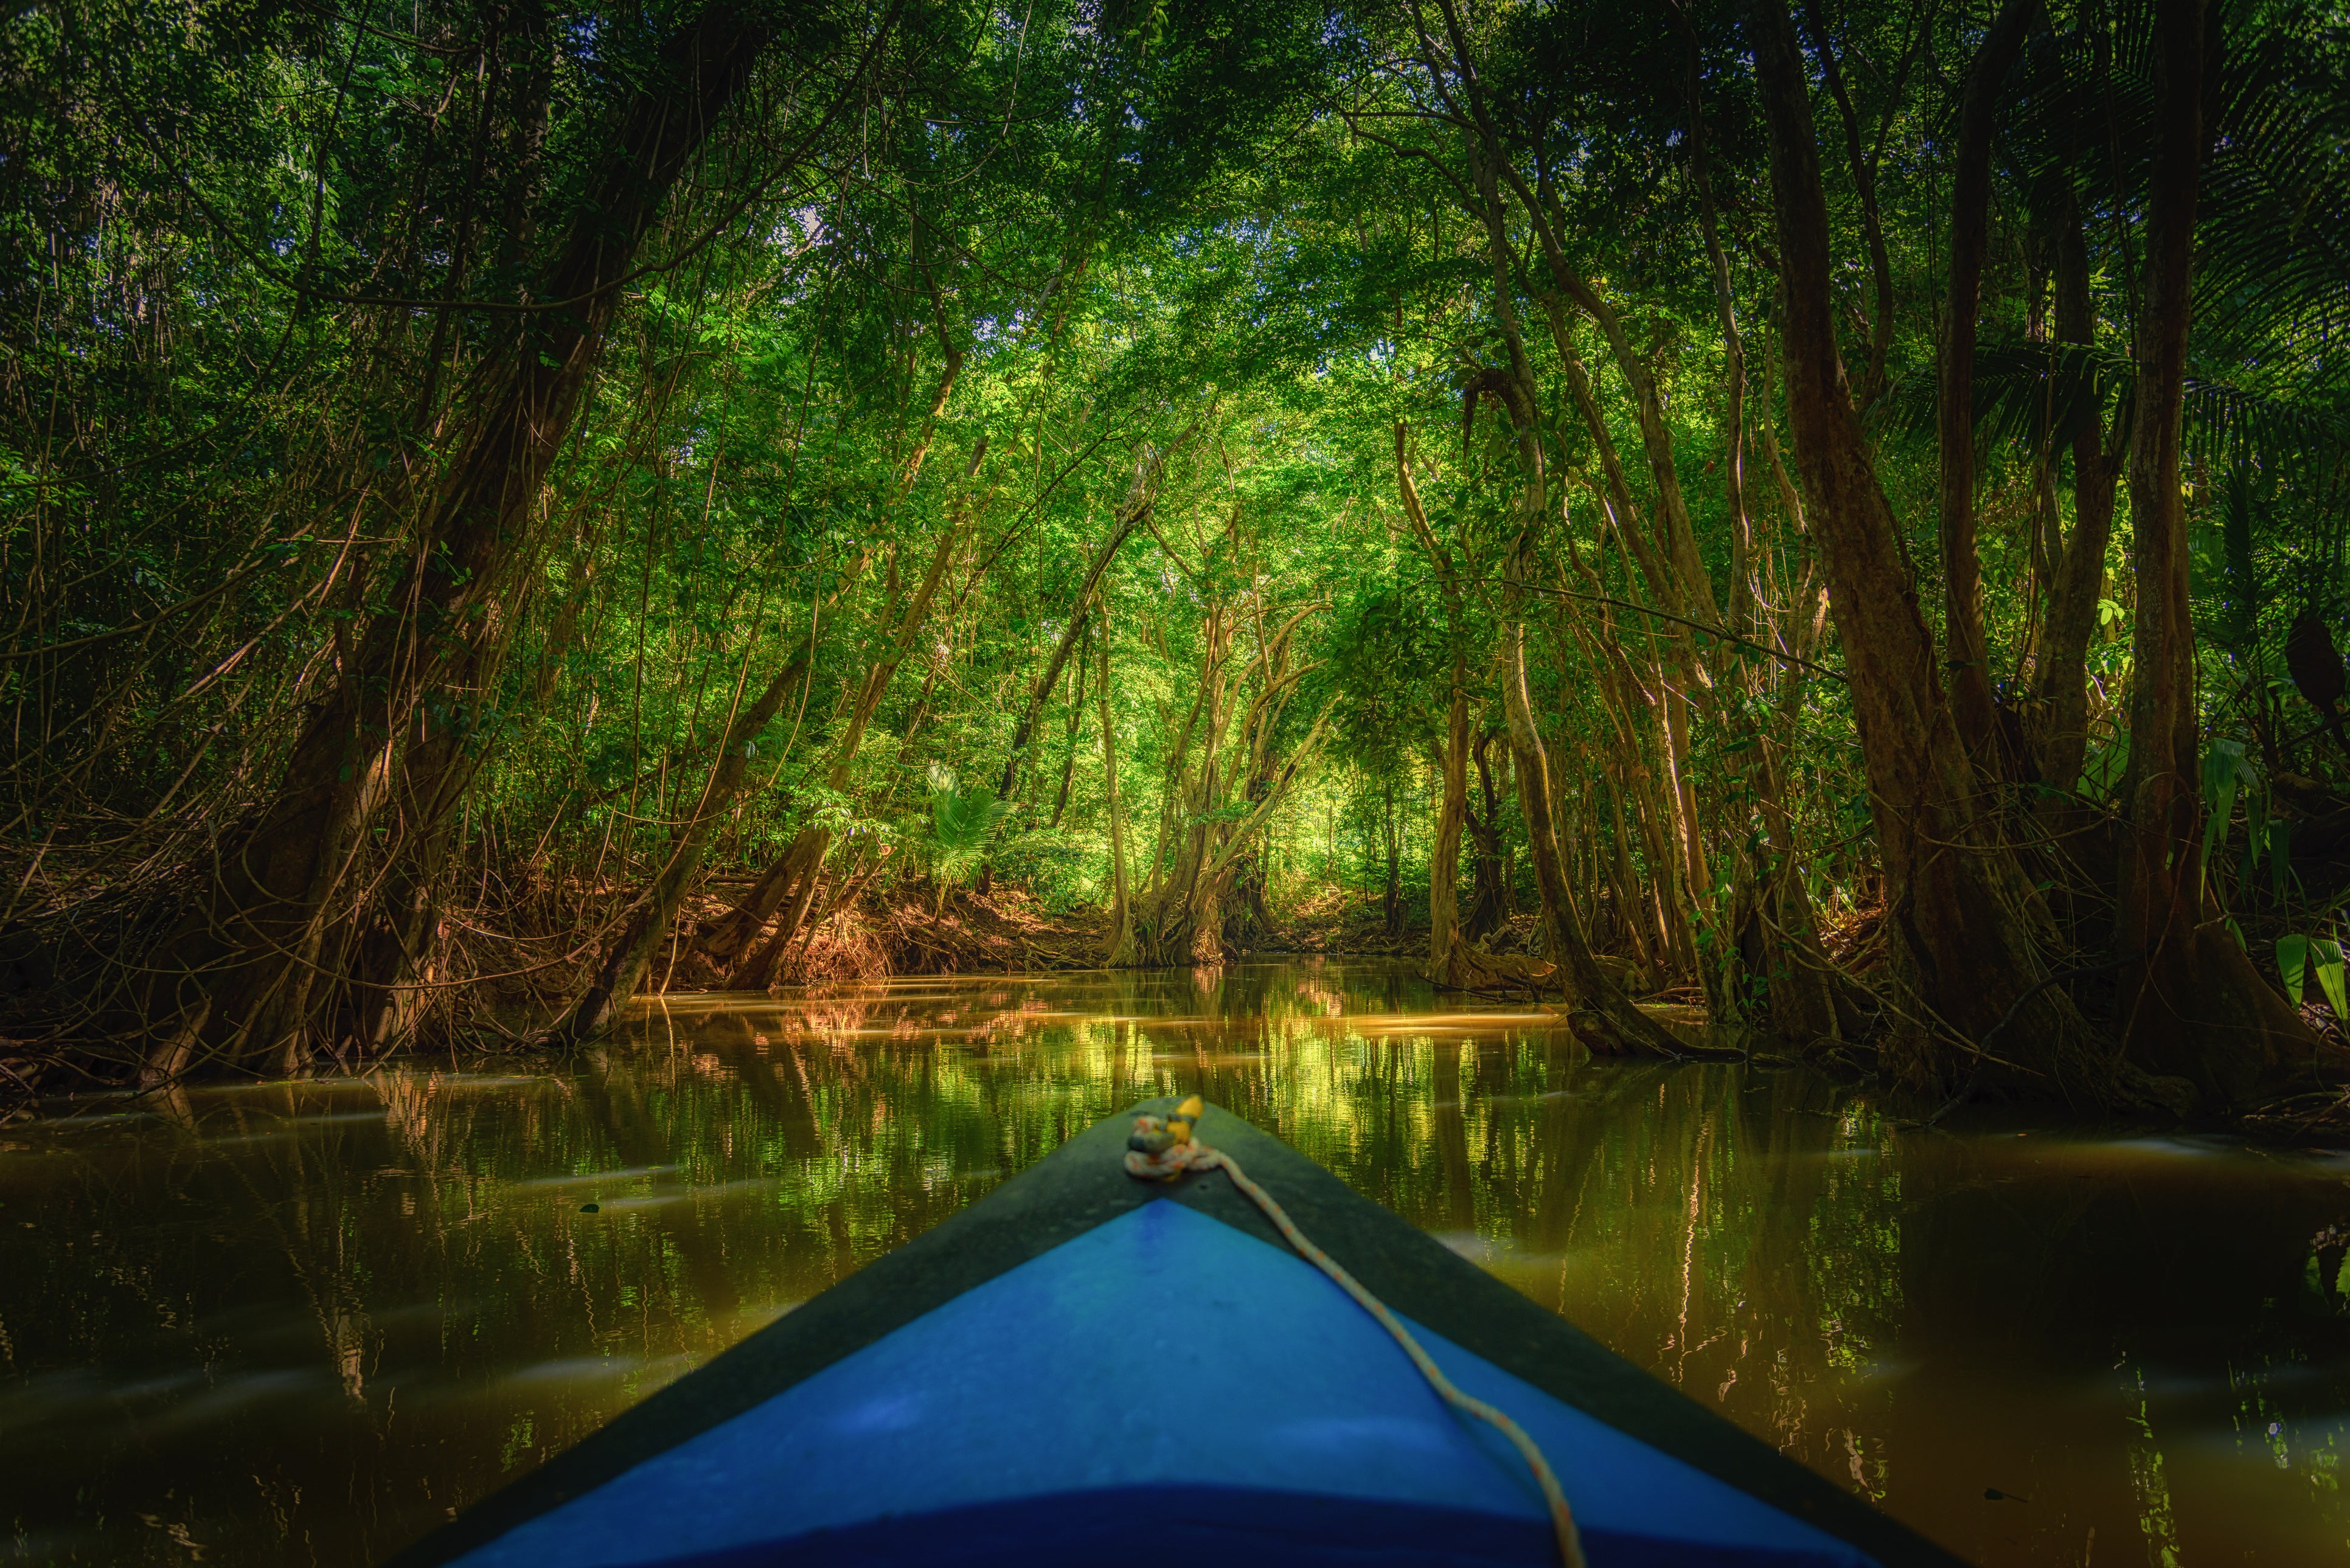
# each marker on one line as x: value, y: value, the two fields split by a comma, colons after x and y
x: 2272, y: 228
x: 2028, y: 395
x: 961, y: 820
x: 2033, y: 396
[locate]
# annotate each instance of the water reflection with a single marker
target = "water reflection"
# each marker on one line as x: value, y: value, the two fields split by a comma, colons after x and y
x: 306, y: 1322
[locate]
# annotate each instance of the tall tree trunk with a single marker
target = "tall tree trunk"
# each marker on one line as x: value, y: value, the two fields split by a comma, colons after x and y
x: 1489, y: 891
x: 1391, y: 838
x: 1133, y: 512
x: 1959, y: 912
x: 237, y: 982
x: 1863, y: 183
x: 1184, y: 918
x: 1444, y: 854
x: 2081, y: 567
x: 1676, y: 559
x: 806, y: 855
x: 394, y: 946
x: 1454, y: 963
x: 1069, y: 755
x: 2193, y: 1005
x: 1679, y: 587
x: 1964, y: 645
x: 1120, y: 951
x: 1449, y: 965
x: 1603, y: 1017
x: 1631, y: 900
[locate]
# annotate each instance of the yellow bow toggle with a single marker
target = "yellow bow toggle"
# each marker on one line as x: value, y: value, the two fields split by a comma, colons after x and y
x: 1161, y: 1147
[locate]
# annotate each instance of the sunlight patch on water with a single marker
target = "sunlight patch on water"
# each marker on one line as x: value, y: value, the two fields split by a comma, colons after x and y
x: 298, y: 1338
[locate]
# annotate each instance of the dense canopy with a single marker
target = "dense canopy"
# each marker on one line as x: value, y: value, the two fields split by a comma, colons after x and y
x: 1832, y: 514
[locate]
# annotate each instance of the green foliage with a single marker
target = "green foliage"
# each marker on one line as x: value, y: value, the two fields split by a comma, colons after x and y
x: 2326, y: 956
x: 962, y: 821
x: 935, y: 286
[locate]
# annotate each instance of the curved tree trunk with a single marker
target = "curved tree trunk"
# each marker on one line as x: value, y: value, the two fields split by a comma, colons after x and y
x: 790, y: 882
x: 1133, y: 512
x: 1960, y: 914
x: 1444, y: 932
x: 1489, y: 892
x: 1076, y: 721
x: 392, y: 960
x: 1604, y: 1018
x: 240, y: 980
x: 1454, y: 963
x: 654, y: 910
x: 1864, y: 182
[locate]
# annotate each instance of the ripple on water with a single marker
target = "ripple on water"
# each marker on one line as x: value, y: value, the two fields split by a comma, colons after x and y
x: 2107, y: 1322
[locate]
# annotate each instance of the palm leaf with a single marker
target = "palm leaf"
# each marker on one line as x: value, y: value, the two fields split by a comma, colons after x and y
x: 961, y: 820
x: 2034, y: 396
x: 2272, y: 228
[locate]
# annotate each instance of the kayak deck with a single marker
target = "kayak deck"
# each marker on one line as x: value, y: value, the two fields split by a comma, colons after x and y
x: 1159, y: 1377
x: 1211, y: 1381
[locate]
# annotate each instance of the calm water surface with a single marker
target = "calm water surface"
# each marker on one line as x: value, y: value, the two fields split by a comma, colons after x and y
x: 305, y: 1322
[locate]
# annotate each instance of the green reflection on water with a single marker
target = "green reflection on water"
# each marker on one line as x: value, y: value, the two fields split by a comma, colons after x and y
x: 305, y: 1322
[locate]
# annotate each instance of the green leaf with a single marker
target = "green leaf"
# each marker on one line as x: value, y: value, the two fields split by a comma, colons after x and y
x: 2328, y: 954
x: 2292, y: 965
x: 2101, y: 768
x: 2256, y: 836
x: 2222, y: 762
x: 961, y: 820
x: 2279, y: 855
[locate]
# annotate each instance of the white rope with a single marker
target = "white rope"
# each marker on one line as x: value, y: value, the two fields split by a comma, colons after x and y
x: 1161, y: 1150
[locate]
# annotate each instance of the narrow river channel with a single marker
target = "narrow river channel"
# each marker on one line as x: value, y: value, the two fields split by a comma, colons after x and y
x: 303, y: 1323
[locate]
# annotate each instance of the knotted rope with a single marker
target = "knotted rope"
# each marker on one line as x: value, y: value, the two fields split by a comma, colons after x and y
x: 1161, y: 1150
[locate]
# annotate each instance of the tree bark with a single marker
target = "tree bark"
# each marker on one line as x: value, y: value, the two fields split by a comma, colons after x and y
x: 238, y: 980
x: 1391, y: 839
x: 1603, y: 1017
x: 1444, y: 854
x: 1076, y: 721
x: 2081, y: 568
x: 1489, y: 893
x: 1863, y: 183
x: 654, y: 910
x: 1453, y: 962
x: 1121, y: 950
x: 1959, y: 910
x: 1964, y: 645
x: 2193, y: 1005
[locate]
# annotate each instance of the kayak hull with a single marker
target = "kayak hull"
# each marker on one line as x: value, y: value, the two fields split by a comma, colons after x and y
x: 1082, y: 1363
x: 1236, y: 1526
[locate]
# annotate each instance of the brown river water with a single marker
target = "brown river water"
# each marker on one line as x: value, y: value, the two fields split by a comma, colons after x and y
x: 303, y: 1323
